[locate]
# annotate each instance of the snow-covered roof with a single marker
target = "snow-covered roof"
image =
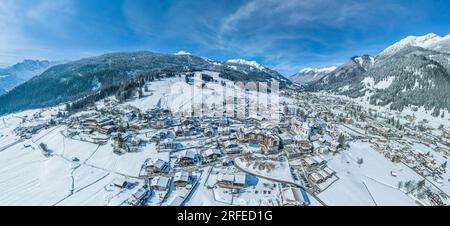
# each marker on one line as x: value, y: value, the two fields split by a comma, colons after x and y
x: 318, y: 159
x: 309, y: 161
x: 285, y: 136
x: 158, y: 163
x: 119, y: 182
x: 161, y: 181
x: 316, y: 176
x: 323, y: 174
x: 291, y: 195
x: 232, y: 178
x: 214, y: 151
x: 188, y: 154
x: 226, y: 177
x: 239, y: 178
x: 182, y: 176
x: 329, y: 171
x: 176, y: 201
x: 140, y: 193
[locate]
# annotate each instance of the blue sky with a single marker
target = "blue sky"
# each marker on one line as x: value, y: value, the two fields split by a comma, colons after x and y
x: 284, y: 35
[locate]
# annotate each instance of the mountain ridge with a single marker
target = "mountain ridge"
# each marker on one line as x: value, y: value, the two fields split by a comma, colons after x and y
x: 21, y: 72
x: 76, y: 79
x: 308, y: 75
x: 408, y: 74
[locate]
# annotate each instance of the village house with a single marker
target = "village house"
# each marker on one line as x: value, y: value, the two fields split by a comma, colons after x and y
x: 241, y: 134
x: 156, y: 166
x: 329, y: 171
x: 231, y: 147
x: 313, y: 161
x: 187, y: 158
x: 109, y: 129
x: 169, y: 145
x: 120, y: 183
x: 208, y: 132
x: 253, y: 136
x: 137, y: 126
x: 158, y: 123
x: 186, y: 122
x: 303, y: 143
x: 286, y: 138
x: 224, y: 131
x: 160, y: 183
x: 270, y: 144
x: 163, y: 135
x: 178, y: 131
x: 315, y: 178
x: 190, y: 130
x: 181, y: 179
x: 299, y: 128
x: 291, y: 196
x: 138, y: 196
x: 231, y: 181
x: 211, y: 155
x: 325, y: 176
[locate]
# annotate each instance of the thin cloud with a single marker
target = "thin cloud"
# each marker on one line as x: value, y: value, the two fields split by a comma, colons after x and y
x: 285, y: 35
x: 16, y: 16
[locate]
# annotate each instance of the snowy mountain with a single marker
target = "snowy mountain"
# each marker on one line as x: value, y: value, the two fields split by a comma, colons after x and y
x: 74, y: 80
x: 308, y: 75
x: 180, y: 53
x: 430, y: 41
x: 345, y: 74
x: 253, y: 71
x: 412, y: 73
x: 241, y: 62
x: 19, y: 73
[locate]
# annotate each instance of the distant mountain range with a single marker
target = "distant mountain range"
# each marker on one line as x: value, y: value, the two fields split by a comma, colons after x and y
x: 77, y: 79
x: 414, y: 72
x: 311, y: 75
x: 19, y: 73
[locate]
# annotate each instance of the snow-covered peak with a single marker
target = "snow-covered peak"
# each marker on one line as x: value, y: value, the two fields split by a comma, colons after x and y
x: 246, y: 62
x: 308, y: 75
x: 317, y: 70
x: 181, y: 53
x: 418, y: 41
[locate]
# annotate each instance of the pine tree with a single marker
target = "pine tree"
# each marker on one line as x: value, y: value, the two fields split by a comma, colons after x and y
x: 341, y: 139
x: 141, y: 93
x: 421, y: 184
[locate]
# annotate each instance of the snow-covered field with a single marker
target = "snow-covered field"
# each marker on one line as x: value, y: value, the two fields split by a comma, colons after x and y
x: 27, y: 177
x: 370, y: 183
x: 420, y: 113
x: 280, y: 172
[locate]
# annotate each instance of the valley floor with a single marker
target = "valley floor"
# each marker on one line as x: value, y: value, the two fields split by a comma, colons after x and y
x: 83, y: 173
